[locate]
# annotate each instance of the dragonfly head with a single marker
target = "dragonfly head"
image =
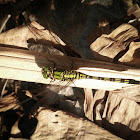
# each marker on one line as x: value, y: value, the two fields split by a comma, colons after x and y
x: 46, y: 72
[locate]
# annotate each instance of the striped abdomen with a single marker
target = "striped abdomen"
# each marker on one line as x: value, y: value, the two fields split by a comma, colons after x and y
x: 71, y: 75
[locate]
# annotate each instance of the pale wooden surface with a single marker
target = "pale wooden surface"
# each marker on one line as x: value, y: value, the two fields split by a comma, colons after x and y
x: 26, y: 66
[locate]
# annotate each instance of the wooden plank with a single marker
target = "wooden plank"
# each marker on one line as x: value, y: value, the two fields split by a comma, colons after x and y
x: 26, y: 66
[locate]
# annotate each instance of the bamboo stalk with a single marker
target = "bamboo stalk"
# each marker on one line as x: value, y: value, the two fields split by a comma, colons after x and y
x: 26, y: 66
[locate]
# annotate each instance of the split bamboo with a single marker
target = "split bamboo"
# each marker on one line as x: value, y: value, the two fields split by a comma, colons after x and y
x: 26, y: 65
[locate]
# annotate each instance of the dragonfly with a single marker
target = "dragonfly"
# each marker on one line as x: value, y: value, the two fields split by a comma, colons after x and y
x: 70, y: 75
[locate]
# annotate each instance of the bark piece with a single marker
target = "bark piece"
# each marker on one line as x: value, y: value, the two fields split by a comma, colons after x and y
x: 132, y: 56
x: 106, y: 47
x: 54, y: 125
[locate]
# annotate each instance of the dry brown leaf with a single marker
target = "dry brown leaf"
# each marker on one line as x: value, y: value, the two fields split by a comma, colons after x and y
x: 88, y: 103
x: 131, y: 92
x: 132, y: 56
x: 106, y: 47
x: 98, y: 102
x: 38, y: 32
x: 137, y: 13
x: 8, y: 102
x: 134, y: 10
x: 34, y: 32
x: 15, y: 37
x: 15, y: 131
x: 67, y: 126
x: 121, y: 115
x: 94, y: 105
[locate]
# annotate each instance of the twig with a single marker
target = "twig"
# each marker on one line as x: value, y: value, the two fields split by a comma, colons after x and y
x: 5, y: 19
x: 5, y: 83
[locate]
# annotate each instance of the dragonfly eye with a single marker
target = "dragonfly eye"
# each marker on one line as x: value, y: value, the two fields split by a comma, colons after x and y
x: 46, y: 69
x: 46, y: 72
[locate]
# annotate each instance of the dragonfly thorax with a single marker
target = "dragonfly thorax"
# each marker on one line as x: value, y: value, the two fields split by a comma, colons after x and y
x: 47, y: 72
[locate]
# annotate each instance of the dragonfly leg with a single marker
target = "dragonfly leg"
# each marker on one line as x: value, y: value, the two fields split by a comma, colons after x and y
x: 71, y: 65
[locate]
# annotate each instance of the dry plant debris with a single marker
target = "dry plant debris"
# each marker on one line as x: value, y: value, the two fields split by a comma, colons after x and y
x: 67, y: 126
x: 117, y: 111
x: 106, y: 47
